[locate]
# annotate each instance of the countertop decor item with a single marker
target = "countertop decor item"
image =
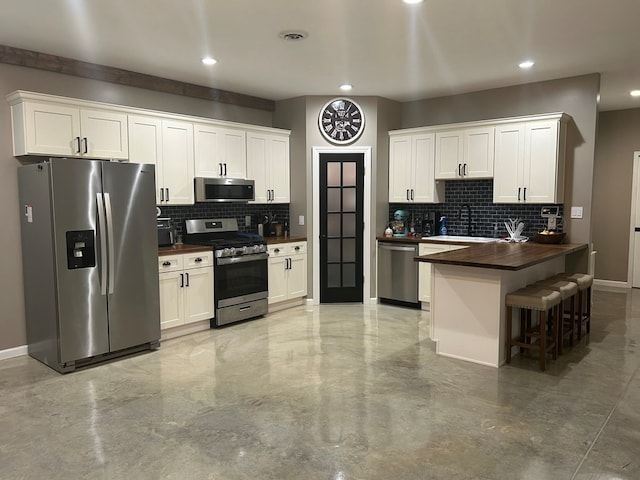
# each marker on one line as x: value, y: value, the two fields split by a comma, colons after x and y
x: 515, y: 229
x: 549, y: 237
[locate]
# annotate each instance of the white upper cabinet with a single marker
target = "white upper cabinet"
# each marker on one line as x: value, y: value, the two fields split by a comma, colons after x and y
x: 167, y: 144
x: 220, y: 152
x: 411, y: 169
x: 268, y: 166
x: 529, y: 161
x: 43, y: 126
x: 465, y: 154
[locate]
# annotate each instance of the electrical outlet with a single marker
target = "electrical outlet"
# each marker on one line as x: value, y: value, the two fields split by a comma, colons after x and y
x: 247, y: 220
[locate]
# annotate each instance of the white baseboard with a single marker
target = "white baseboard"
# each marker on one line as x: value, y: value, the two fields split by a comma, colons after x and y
x: 13, y: 352
x: 611, y: 283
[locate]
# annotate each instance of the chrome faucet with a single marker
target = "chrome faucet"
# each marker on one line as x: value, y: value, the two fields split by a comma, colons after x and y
x: 459, y: 215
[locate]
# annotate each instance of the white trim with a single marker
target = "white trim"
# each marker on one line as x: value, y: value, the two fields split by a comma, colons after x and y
x: 13, y: 352
x: 367, y: 218
x: 632, y: 221
x: 611, y: 283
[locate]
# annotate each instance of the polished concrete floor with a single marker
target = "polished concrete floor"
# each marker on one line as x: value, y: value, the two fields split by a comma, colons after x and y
x: 331, y: 392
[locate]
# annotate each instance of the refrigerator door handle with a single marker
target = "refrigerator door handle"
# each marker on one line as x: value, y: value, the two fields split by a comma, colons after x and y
x: 103, y: 244
x: 107, y: 205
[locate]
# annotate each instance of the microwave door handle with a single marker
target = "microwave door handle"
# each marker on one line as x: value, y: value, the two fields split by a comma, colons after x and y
x: 103, y: 244
x: 112, y: 266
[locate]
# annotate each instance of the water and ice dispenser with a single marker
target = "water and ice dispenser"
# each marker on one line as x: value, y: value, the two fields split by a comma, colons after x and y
x: 81, y: 249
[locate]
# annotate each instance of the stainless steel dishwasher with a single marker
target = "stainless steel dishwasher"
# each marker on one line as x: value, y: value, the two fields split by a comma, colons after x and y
x: 398, y: 273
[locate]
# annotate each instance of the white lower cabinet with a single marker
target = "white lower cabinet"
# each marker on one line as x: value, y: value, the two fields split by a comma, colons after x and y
x: 425, y: 270
x: 287, y: 271
x: 186, y: 288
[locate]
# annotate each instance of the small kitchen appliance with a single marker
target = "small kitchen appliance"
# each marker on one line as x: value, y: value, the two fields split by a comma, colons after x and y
x: 552, y: 214
x: 166, y: 233
x: 241, y: 279
x: 399, y: 223
x: 430, y: 224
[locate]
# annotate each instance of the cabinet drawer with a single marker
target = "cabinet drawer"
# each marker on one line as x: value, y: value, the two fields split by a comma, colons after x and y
x: 200, y: 259
x: 297, y: 248
x: 170, y: 263
x: 277, y: 250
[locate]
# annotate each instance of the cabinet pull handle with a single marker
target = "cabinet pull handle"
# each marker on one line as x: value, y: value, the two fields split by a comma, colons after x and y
x: 162, y: 194
x: 187, y: 274
x: 220, y: 165
x: 525, y: 194
x: 407, y: 194
x: 273, y: 195
x: 198, y: 260
x: 181, y: 280
x: 412, y: 194
x: 518, y: 193
x: 78, y: 140
x: 166, y: 263
x: 297, y: 248
x: 86, y: 145
x: 225, y: 169
x: 464, y: 170
x: 167, y: 194
x: 459, y: 172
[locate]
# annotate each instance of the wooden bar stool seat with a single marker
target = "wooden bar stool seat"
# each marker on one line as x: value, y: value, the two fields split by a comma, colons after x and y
x: 568, y: 290
x: 544, y: 301
x: 584, y: 282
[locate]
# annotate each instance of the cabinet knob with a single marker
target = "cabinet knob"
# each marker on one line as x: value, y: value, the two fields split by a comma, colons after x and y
x: 198, y: 260
x: 166, y: 264
x: 276, y: 250
x: 297, y: 248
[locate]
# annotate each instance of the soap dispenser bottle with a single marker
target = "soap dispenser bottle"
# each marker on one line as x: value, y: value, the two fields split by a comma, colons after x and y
x: 443, y: 225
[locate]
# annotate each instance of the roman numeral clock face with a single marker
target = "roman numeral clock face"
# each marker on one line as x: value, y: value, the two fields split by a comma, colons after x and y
x: 341, y: 121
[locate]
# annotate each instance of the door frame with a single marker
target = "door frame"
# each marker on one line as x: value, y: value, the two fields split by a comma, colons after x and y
x: 368, y: 220
x: 635, y: 192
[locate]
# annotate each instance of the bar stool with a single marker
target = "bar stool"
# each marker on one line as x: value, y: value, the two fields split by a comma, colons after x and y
x: 568, y: 290
x: 584, y: 282
x: 528, y: 299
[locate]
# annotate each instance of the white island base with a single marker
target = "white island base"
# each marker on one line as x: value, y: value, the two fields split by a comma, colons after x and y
x: 468, y: 310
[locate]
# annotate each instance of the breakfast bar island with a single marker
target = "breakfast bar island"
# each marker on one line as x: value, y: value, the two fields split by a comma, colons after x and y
x: 469, y: 290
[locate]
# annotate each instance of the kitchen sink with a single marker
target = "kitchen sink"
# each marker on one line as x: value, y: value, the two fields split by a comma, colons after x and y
x: 464, y: 238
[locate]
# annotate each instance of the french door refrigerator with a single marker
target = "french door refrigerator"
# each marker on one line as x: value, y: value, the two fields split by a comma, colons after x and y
x: 90, y: 264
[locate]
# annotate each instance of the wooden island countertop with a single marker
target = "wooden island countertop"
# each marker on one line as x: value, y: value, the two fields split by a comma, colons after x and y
x: 502, y: 255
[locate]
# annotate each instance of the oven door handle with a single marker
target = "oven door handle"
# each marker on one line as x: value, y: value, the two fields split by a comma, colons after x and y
x: 242, y: 259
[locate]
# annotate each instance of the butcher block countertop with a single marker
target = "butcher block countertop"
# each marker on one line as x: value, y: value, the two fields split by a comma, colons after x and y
x: 182, y: 248
x: 502, y: 255
x: 287, y: 239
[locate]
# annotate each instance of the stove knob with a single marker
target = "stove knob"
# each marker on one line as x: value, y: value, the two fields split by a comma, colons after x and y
x: 245, y: 250
x: 227, y: 252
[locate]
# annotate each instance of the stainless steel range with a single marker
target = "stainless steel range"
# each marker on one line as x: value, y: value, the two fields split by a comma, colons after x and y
x: 241, y: 279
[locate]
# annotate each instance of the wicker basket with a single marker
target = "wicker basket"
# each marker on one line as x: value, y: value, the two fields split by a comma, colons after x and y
x: 549, y: 238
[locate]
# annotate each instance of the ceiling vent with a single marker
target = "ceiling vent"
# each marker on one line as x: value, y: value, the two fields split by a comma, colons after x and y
x: 293, y: 36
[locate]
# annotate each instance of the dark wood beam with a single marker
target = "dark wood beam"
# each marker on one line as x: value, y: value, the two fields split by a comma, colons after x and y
x: 69, y: 66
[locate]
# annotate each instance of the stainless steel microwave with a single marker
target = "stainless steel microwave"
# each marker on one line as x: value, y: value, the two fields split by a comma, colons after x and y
x: 224, y: 190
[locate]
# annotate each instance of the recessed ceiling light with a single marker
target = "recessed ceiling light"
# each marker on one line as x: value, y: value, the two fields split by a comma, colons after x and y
x: 526, y: 64
x: 346, y: 87
x: 635, y: 93
x: 293, y: 36
x: 412, y: 1
x: 209, y: 61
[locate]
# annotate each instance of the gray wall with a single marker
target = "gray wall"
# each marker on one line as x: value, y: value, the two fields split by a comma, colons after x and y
x: 618, y: 138
x: 576, y: 96
x: 12, y: 320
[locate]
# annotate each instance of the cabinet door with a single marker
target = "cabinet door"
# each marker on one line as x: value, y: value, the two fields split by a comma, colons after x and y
x: 104, y: 134
x: 509, y: 158
x: 297, y: 276
x: 52, y: 129
x: 177, y: 162
x: 171, y: 299
x: 257, y: 168
x: 198, y: 294
x: 423, y: 170
x: 400, y: 168
x: 207, y: 147
x: 449, y: 147
x: 277, y: 279
x: 145, y: 144
x: 425, y: 270
x: 278, y: 168
x: 540, y: 169
x: 233, y: 153
x: 478, y: 152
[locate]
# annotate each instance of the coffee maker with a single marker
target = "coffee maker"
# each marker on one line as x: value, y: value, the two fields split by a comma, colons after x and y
x: 430, y: 224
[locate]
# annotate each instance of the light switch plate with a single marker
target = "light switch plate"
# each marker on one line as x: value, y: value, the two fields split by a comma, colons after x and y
x: 301, y: 220
x: 576, y: 212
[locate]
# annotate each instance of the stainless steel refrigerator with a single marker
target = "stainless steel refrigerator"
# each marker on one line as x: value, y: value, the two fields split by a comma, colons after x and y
x: 90, y: 260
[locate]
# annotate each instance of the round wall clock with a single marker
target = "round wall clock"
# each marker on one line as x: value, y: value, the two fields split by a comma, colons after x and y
x: 341, y: 121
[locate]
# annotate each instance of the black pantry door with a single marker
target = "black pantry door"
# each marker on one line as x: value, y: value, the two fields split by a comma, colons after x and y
x: 341, y: 227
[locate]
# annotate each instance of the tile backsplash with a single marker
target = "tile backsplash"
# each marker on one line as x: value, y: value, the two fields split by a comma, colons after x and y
x: 180, y: 213
x: 487, y: 217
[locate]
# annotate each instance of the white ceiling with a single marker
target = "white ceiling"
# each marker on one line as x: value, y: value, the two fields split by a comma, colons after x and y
x: 383, y: 47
